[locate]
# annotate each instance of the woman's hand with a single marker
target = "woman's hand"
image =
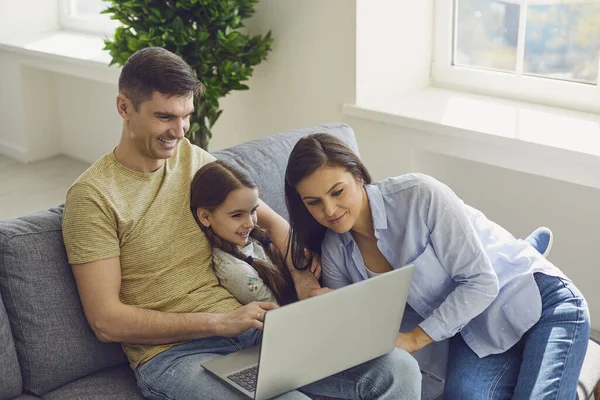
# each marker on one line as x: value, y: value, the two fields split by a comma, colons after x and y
x: 413, y: 340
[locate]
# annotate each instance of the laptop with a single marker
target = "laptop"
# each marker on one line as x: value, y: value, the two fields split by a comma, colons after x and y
x: 320, y: 336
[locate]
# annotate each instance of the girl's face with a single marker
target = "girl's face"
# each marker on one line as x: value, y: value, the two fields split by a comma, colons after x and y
x: 235, y: 218
x: 333, y: 196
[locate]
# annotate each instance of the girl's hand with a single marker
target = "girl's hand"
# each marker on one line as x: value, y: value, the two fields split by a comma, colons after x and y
x: 320, y: 291
x: 315, y: 267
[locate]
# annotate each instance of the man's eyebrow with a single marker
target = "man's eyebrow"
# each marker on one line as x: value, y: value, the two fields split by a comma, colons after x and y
x: 329, y: 191
x: 169, y: 115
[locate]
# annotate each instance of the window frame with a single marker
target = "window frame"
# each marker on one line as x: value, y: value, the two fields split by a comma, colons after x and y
x: 564, y: 94
x: 98, y: 25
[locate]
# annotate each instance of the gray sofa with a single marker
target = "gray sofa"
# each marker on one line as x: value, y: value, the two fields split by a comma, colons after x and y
x: 47, y: 349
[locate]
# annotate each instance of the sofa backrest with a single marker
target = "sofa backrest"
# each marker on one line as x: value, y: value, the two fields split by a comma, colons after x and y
x: 266, y: 159
x: 53, y: 340
x: 54, y: 343
x: 10, y: 374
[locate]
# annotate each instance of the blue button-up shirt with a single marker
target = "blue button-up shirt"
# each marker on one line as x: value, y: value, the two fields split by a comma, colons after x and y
x: 471, y: 275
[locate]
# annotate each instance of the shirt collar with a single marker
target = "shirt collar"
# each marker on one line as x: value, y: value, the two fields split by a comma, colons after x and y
x: 377, y: 212
x: 377, y: 207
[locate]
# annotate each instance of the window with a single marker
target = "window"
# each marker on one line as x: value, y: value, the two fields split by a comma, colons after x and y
x: 545, y: 51
x: 84, y: 16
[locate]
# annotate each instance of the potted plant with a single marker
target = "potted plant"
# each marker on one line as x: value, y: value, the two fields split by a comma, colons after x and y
x: 206, y: 34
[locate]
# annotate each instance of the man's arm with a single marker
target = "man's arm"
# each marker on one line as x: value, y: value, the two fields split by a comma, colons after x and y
x: 99, y: 284
x: 278, y: 229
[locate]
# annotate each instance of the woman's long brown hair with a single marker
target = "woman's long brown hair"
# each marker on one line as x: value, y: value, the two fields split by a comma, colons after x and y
x: 210, y: 187
x: 309, y: 154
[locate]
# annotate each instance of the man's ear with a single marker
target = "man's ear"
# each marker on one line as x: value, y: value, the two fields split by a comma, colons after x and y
x: 203, y: 216
x: 124, y: 106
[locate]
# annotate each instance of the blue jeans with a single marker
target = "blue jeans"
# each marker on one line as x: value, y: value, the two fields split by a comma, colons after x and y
x: 544, y: 364
x: 177, y: 374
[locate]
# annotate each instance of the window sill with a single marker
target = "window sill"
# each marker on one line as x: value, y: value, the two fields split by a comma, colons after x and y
x: 64, y: 52
x: 526, y: 137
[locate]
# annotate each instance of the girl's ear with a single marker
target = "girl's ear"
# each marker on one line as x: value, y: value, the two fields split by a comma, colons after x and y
x: 203, y: 216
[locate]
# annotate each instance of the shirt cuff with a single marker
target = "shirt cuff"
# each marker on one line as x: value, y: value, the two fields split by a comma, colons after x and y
x: 434, y: 328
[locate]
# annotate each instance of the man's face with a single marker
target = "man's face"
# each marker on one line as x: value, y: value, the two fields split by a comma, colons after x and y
x: 159, y: 124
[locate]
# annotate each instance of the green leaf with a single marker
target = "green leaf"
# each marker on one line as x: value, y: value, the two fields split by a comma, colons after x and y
x: 178, y: 24
x: 156, y: 12
x: 194, y: 127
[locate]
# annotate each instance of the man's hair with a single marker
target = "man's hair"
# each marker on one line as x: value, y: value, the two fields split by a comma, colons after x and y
x: 156, y: 69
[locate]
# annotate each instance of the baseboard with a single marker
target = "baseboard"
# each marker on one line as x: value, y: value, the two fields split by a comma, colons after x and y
x: 594, y: 334
x: 15, y: 152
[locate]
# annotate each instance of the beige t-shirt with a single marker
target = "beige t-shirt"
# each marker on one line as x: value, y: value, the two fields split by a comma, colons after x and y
x: 145, y: 219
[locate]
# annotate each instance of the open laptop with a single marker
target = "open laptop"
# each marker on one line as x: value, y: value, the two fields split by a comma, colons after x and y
x: 318, y: 337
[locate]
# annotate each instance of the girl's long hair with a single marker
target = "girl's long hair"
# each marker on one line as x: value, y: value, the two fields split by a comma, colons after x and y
x: 210, y: 187
x: 309, y: 154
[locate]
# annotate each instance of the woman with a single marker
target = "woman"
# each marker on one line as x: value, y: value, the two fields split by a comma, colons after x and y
x: 523, y: 324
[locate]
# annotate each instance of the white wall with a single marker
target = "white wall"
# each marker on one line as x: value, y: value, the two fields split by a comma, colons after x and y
x: 307, y: 77
x: 16, y: 16
x: 13, y: 134
x: 88, y: 119
x: 404, y: 29
x: 25, y: 94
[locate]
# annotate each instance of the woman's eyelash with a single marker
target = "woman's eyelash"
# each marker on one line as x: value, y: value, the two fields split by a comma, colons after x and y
x: 338, y: 192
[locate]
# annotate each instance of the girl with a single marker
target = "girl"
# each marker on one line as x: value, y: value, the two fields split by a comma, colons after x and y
x: 523, y: 325
x: 224, y: 200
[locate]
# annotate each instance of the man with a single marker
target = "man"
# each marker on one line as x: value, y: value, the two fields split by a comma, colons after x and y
x: 143, y: 267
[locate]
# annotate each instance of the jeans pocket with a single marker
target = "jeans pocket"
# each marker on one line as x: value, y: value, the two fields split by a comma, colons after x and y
x: 148, y: 391
x: 571, y: 288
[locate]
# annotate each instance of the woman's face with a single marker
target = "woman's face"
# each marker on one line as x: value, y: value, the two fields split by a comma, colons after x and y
x: 235, y: 218
x: 333, y: 196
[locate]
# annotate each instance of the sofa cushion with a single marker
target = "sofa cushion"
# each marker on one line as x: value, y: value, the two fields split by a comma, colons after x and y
x: 116, y: 383
x: 590, y: 372
x: 10, y: 374
x: 266, y: 159
x: 53, y: 340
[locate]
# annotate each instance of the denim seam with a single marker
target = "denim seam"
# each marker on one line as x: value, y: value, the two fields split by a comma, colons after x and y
x: 503, y: 371
x: 151, y: 389
x: 359, y: 379
x: 236, y: 345
x: 571, y: 344
x: 567, y: 287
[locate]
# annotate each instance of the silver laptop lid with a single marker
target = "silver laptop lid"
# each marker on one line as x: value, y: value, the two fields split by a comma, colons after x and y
x: 318, y: 337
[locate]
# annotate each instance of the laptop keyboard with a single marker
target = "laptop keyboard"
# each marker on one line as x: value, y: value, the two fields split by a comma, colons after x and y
x: 246, y: 378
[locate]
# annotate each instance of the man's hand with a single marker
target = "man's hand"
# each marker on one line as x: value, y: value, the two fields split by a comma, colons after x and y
x: 413, y: 340
x: 238, y: 321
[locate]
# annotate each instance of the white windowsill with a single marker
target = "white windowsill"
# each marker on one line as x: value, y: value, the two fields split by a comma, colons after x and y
x: 542, y: 140
x: 64, y: 52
